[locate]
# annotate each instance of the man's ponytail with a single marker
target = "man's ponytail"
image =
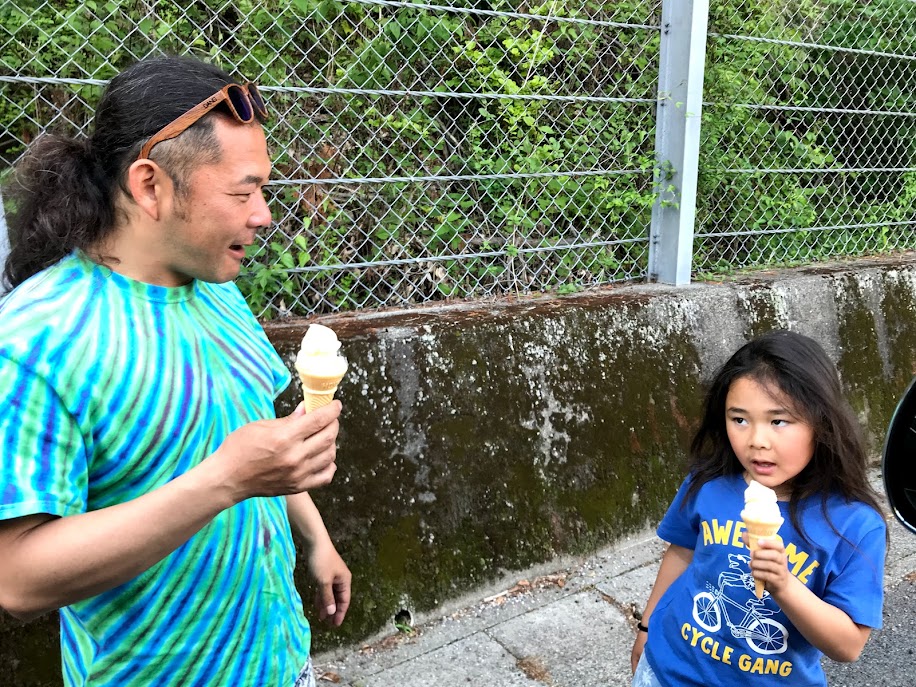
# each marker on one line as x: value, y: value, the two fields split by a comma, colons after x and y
x: 60, y: 201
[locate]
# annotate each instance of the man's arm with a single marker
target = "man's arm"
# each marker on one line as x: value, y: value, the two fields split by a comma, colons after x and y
x: 47, y: 562
x: 332, y: 598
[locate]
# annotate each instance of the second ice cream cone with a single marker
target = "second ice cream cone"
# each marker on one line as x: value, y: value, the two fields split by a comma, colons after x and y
x: 755, y: 532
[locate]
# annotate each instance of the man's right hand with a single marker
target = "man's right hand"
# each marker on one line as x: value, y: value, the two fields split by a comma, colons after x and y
x: 284, y: 456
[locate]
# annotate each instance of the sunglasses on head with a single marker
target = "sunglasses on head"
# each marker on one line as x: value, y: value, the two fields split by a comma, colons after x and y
x: 244, y: 102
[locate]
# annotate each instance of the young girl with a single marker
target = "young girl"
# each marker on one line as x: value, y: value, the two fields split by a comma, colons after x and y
x: 775, y: 414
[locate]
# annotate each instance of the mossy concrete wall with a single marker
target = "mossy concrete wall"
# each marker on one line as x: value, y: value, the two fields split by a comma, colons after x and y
x: 485, y: 438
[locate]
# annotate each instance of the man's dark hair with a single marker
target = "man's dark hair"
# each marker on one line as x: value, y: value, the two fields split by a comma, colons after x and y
x: 64, y: 191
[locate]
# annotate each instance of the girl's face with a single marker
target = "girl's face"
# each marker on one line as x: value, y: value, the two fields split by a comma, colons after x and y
x: 771, y: 442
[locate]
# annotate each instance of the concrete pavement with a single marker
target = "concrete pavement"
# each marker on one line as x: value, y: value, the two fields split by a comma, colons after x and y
x: 572, y: 625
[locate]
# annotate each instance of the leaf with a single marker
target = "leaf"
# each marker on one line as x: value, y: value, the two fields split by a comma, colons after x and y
x: 329, y: 9
x: 393, y: 29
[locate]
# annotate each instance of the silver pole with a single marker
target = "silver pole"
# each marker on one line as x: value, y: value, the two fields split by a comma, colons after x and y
x: 4, y: 244
x: 677, y: 139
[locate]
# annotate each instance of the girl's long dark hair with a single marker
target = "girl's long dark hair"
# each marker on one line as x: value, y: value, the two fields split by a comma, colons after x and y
x: 798, y: 367
x: 63, y: 194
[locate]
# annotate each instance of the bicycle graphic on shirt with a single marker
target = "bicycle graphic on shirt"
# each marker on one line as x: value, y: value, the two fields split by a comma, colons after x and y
x: 710, y: 608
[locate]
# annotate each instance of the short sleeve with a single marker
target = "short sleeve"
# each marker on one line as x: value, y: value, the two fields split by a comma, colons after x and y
x: 857, y: 588
x: 281, y: 376
x: 678, y: 527
x: 43, y: 464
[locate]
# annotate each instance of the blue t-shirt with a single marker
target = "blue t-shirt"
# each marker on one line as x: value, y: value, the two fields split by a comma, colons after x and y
x: 709, y: 629
x: 109, y: 389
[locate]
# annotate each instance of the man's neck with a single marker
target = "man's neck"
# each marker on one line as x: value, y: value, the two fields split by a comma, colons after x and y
x: 129, y: 253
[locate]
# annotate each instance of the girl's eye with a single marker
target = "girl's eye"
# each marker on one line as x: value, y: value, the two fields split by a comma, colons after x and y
x: 780, y: 423
x: 739, y: 420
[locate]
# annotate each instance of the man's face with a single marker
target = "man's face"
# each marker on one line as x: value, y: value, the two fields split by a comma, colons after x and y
x: 206, y: 230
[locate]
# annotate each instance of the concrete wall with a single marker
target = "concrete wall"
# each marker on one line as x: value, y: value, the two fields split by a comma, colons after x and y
x: 491, y: 437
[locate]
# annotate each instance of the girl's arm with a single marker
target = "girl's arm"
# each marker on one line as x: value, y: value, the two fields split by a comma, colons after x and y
x: 827, y: 627
x: 674, y: 562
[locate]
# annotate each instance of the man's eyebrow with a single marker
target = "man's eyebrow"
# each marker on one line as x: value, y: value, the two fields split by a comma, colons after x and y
x: 252, y: 179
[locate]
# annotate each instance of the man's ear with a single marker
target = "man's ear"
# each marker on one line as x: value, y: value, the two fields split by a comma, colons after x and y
x: 150, y: 187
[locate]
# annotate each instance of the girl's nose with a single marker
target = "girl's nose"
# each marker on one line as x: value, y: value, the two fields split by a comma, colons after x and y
x: 760, y: 436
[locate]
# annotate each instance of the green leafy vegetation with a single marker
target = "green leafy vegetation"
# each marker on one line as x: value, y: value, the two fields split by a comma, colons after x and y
x: 835, y: 123
x: 474, y: 173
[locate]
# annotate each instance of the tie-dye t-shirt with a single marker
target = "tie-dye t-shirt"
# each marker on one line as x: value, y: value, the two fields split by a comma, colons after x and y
x: 110, y: 388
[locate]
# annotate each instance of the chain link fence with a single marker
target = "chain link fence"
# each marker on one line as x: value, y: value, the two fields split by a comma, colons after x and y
x: 479, y: 148
x: 421, y: 151
x: 809, y: 132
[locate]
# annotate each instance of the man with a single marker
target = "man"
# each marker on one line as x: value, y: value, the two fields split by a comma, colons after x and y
x: 146, y: 487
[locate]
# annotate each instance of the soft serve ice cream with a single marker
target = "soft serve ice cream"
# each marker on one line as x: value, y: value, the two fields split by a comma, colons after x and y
x: 760, y: 504
x: 320, y: 365
x: 761, y: 518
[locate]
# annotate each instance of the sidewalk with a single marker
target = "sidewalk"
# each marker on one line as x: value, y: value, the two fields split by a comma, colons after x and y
x: 572, y: 627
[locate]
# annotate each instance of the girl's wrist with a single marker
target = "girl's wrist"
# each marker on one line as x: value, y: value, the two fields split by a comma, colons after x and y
x: 641, y: 627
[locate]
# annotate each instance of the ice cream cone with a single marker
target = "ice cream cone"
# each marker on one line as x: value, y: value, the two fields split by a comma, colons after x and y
x: 755, y: 532
x: 318, y: 390
x: 320, y: 366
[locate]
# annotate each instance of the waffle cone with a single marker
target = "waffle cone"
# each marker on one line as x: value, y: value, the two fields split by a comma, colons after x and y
x: 318, y: 390
x: 755, y: 532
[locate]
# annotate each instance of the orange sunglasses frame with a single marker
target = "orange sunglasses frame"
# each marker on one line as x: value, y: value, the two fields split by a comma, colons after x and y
x: 185, y: 121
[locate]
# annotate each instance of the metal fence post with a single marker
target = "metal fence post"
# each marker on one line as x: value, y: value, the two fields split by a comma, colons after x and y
x: 4, y: 244
x: 677, y: 139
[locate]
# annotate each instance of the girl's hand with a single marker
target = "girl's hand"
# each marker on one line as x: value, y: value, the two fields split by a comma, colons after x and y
x: 769, y: 564
x: 638, y: 646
